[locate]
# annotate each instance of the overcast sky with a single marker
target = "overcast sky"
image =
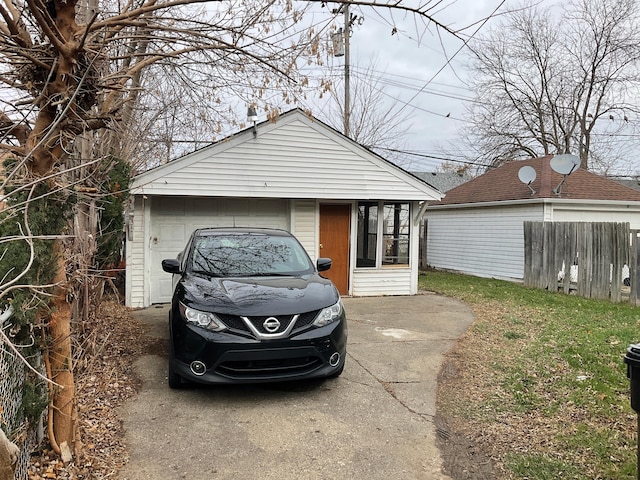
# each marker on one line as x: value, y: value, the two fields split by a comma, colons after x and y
x: 411, y: 64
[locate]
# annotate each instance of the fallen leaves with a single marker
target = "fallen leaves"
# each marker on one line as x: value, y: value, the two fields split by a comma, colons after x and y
x: 105, y: 351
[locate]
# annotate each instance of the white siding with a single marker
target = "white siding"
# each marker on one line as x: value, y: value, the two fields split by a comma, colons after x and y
x: 135, y: 256
x: 171, y: 222
x: 601, y: 212
x: 487, y: 242
x: 295, y: 158
x: 384, y: 281
x: 303, y: 225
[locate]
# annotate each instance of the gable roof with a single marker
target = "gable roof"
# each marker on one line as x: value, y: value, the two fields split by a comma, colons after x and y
x: 629, y: 182
x: 294, y: 156
x: 443, y: 181
x: 503, y: 184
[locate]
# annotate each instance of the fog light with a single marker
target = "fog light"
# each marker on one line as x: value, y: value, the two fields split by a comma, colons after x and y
x: 198, y: 368
x: 334, y: 360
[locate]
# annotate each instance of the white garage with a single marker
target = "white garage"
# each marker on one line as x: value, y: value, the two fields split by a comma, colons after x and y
x: 478, y: 228
x: 174, y: 218
x: 341, y: 200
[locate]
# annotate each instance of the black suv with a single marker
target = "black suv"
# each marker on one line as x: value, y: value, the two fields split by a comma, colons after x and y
x: 249, y: 306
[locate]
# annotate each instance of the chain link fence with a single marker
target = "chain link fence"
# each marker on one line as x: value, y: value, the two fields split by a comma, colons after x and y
x: 26, y: 435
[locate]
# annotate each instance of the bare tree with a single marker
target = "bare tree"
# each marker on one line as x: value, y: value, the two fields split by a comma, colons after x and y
x: 69, y: 79
x: 548, y: 82
x: 376, y: 121
x: 76, y: 80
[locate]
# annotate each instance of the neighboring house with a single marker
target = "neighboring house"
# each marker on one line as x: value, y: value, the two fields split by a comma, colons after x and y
x: 340, y: 199
x: 477, y: 228
x: 443, y: 181
x: 629, y: 182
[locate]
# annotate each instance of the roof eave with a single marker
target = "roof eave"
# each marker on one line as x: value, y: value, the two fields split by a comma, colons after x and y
x: 561, y: 201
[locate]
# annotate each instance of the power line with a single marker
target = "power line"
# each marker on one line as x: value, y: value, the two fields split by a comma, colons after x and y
x: 432, y: 157
x: 465, y: 43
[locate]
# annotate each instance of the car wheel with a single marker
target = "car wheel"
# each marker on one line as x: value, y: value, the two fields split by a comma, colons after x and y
x: 175, y: 380
x: 338, y: 372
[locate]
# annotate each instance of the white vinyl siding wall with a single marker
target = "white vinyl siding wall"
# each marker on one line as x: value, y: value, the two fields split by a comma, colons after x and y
x: 597, y: 213
x: 135, y: 252
x: 273, y: 165
x: 303, y: 225
x: 383, y: 281
x: 481, y: 241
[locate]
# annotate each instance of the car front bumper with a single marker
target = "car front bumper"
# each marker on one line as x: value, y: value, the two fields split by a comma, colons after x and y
x: 220, y: 357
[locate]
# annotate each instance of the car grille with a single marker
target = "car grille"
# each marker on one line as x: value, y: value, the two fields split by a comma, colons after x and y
x: 269, y: 368
x: 236, y: 322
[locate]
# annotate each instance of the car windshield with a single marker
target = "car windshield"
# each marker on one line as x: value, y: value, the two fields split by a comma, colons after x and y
x: 249, y: 255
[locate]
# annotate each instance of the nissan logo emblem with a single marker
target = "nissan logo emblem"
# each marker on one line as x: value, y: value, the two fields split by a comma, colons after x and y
x: 271, y: 324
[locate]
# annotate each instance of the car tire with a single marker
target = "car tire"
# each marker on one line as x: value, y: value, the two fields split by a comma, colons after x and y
x: 174, y: 380
x: 337, y: 373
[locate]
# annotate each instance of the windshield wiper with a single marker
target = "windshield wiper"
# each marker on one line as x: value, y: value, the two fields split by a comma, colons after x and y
x: 271, y: 274
x: 206, y: 273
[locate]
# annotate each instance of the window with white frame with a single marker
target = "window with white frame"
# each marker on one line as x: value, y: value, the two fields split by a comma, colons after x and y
x: 367, y: 234
x: 383, y: 234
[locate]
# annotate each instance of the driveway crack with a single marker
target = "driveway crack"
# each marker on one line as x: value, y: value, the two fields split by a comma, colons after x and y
x: 388, y: 387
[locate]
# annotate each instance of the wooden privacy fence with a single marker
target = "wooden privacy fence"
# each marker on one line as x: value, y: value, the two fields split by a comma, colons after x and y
x: 588, y: 258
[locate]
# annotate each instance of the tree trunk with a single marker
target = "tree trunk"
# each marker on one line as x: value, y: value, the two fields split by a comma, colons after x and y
x: 43, y: 161
x: 63, y: 409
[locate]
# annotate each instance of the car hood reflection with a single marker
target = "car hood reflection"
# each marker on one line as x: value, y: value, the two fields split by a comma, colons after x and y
x: 259, y: 295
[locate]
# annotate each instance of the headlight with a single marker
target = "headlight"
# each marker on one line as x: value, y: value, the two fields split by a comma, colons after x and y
x: 202, y: 319
x: 329, y: 315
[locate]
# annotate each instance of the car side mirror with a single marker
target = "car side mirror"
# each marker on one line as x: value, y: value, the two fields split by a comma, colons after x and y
x: 171, y: 265
x: 323, y: 264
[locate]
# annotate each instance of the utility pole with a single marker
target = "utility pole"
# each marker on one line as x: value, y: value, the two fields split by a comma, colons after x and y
x: 341, y: 47
x: 347, y: 99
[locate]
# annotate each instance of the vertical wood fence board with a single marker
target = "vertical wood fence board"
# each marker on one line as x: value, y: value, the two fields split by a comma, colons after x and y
x: 572, y: 251
x: 526, y: 270
x: 558, y: 255
x: 537, y: 236
x: 620, y: 257
x: 634, y: 268
x: 423, y: 245
x: 616, y: 266
x: 602, y: 261
x: 548, y: 256
x: 584, y: 272
x: 615, y: 287
x: 528, y: 255
x: 599, y: 255
x: 592, y: 262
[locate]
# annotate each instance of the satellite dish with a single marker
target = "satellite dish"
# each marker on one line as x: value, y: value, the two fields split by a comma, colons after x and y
x: 565, y: 164
x: 527, y: 174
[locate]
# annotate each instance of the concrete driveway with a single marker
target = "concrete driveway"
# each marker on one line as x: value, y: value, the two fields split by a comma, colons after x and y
x: 374, y: 422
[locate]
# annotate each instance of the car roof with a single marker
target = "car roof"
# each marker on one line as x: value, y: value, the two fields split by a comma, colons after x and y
x: 205, y: 232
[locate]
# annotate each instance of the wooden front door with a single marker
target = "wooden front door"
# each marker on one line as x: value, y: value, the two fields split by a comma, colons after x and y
x: 335, y: 223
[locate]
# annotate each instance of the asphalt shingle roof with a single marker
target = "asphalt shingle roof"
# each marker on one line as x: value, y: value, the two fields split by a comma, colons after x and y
x: 503, y: 184
x: 443, y: 181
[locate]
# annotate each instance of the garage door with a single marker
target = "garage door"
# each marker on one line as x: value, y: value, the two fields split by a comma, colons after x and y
x: 174, y: 219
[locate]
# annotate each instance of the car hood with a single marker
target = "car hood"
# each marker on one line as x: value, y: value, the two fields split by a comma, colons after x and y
x: 257, y: 295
